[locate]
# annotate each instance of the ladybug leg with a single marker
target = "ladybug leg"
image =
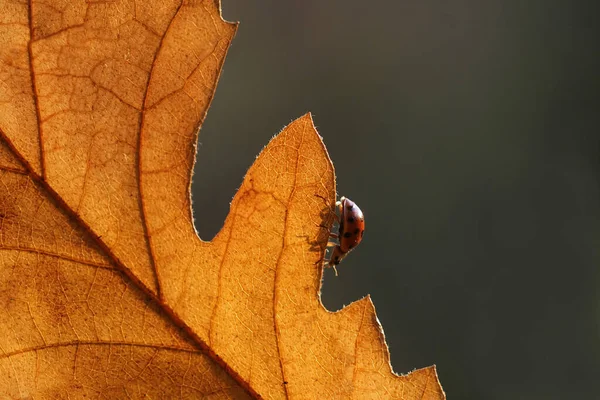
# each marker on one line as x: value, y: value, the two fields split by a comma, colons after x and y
x: 337, y: 204
x: 321, y: 197
x: 327, y: 227
x: 324, y: 200
x: 331, y: 264
x: 333, y: 236
x: 336, y: 217
x: 335, y: 257
x: 332, y: 243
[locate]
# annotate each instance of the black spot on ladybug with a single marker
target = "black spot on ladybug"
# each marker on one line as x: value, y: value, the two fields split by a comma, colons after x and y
x: 349, y: 206
x: 350, y: 220
x: 362, y: 219
x: 285, y: 382
x: 357, y: 231
x: 351, y: 246
x: 347, y: 234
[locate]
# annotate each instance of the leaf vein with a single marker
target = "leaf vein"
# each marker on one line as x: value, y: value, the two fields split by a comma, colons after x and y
x: 284, y: 244
x: 139, y: 158
x: 96, y: 343
x: 34, y: 90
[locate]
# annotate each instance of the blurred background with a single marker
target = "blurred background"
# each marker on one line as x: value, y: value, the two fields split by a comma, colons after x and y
x: 469, y: 134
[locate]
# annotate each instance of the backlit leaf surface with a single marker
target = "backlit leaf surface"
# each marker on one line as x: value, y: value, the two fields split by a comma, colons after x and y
x: 106, y: 291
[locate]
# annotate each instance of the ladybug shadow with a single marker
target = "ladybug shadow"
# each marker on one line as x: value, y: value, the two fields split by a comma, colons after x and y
x: 327, y: 220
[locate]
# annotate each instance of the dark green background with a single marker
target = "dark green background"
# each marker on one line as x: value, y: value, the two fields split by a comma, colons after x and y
x: 469, y: 134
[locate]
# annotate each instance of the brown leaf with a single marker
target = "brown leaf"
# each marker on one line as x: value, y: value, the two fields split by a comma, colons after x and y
x: 105, y: 288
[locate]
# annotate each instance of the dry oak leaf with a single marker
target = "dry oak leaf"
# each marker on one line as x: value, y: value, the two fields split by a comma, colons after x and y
x: 106, y: 291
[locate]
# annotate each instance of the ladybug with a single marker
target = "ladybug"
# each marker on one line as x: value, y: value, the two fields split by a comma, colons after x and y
x: 351, y: 231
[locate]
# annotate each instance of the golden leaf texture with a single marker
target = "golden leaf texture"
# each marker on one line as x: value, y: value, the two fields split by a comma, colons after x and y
x: 106, y: 291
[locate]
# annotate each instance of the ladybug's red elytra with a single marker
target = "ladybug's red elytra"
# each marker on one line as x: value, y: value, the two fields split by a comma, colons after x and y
x: 351, y: 231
